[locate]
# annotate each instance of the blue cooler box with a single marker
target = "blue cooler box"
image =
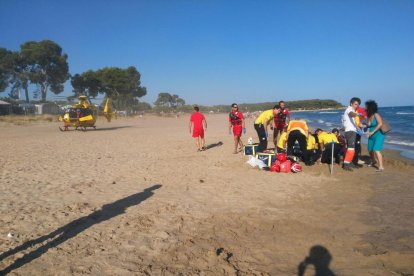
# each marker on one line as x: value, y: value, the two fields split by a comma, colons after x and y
x: 267, y: 158
x: 250, y: 149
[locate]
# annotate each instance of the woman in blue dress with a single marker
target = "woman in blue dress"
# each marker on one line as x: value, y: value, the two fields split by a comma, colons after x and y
x: 375, y: 136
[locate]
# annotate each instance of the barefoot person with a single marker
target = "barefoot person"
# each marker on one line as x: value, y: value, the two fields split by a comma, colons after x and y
x: 236, y: 120
x: 375, y: 136
x: 198, y: 124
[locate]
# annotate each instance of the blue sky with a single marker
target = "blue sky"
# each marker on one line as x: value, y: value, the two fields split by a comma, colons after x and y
x: 219, y: 52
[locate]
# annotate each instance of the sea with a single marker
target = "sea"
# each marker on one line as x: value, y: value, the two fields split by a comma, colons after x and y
x: 400, y: 118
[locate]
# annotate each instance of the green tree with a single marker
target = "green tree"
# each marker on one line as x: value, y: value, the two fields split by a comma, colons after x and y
x: 78, y: 85
x: 13, y: 73
x: 167, y: 102
x: 46, y: 64
x: 118, y: 81
x: 122, y: 85
x: 177, y: 101
x: 86, y: 84
x: 142, y: 106
x: 164, y: 100
x: 7, y: 64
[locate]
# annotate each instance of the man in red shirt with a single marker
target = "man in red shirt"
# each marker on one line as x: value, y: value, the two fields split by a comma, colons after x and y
x: 236, y: 120
x: 199, y: 124
x: 360, y: 120
x: 280, y: 121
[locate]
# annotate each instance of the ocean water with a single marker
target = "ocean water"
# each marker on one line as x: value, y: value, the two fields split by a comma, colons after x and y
x: 400, y: 118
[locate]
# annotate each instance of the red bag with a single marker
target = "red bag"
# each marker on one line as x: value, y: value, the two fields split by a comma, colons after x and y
x: 296, y: 167
x: 275, y: 167
x: 281, y: 157
x: 286, y: 166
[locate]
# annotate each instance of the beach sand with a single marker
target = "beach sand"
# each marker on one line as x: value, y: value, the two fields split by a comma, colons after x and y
x: 134, y: 197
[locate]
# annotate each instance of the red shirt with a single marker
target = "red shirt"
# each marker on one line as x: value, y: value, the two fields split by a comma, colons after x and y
x: 280, y: 118
x: 236, y: 121
x: 362, y: 111
x: 197, y: 118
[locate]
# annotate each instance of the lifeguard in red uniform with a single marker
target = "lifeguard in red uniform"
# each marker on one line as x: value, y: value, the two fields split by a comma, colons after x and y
x: 236, y: 121
x: 198, y: 124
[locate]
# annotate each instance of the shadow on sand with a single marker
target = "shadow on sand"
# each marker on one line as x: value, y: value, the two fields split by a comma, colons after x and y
x: 210, y: 146
x: 110, y: 128
x: 320, y: 258
x: 73, y: 228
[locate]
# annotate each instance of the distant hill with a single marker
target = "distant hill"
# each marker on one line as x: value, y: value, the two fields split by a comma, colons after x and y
x: 314, y: 104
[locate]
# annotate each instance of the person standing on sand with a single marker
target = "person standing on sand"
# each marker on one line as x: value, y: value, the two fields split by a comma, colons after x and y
x: 375, y: 136
x: 198, y: 124
x: 260, y: 125
x: 348, y: 121
x: 359, y: 121
x: 236, y: 120
x: 280, y: 121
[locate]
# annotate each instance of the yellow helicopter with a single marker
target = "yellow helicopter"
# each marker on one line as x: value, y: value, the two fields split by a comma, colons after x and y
x: 83, y: 115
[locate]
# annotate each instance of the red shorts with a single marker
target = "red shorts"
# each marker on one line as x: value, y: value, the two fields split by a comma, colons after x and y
x: 237, y: 130
x: 198, y: 132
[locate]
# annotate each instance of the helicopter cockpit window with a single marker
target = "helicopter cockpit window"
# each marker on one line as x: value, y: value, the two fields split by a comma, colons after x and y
x: 72, y: 113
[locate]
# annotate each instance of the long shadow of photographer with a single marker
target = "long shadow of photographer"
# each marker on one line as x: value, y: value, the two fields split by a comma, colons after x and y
x: 320, y: 258
x: 73, y: 228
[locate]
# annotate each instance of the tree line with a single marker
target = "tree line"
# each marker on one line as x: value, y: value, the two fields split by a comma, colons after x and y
x: 43, y: 65
x: 312, y: 104
x: 172, y: 103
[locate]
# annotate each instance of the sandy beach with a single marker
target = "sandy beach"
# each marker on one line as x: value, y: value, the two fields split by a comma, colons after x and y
x: 135, y: 198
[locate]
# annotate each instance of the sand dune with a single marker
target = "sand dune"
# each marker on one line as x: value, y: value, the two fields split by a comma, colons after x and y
x: 134, y: 197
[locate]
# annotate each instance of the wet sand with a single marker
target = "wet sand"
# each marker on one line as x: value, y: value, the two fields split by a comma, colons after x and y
x: 134, y: 197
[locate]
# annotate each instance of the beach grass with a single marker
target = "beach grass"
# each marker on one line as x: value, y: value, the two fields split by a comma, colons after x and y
x: 27, y: 119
